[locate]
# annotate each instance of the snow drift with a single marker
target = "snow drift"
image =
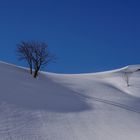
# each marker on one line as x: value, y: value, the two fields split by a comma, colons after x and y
x: 96, y: 106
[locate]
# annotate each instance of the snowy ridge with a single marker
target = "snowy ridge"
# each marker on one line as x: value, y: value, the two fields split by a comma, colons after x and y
x: 96, y: 106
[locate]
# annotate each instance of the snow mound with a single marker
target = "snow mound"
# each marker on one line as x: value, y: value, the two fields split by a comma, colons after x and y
x: 96, y: 106
x: 132, y: 68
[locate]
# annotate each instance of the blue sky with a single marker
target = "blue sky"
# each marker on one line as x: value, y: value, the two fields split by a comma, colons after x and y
x: 85, y: 35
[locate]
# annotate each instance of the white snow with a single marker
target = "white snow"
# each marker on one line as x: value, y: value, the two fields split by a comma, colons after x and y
x: 96, y: 106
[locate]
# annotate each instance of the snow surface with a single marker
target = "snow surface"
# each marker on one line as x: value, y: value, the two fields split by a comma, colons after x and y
x: 96, y: 106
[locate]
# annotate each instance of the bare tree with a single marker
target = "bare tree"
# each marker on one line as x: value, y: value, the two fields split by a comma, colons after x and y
x: 24, y: 51
x: 36, y: 54
x: 40, y: 56
x: 126, y: 75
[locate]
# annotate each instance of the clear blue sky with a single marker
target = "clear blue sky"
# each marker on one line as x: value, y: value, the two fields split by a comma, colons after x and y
x: 86, y: 35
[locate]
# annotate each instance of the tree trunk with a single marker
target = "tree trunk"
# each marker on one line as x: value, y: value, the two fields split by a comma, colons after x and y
x: 35, y: 73
x: 31, y: 71
x: 30, y: 66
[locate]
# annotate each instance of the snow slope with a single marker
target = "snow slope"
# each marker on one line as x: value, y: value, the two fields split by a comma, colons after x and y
x: 96, y: 106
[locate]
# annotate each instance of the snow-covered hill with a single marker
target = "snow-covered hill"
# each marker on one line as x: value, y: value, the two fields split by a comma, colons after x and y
x: 97, y: 106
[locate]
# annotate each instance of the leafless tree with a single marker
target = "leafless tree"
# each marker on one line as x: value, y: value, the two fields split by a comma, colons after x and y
x: 40, y: 56
x: 36, y: 54
x: 126, y: 75
x: 24, y: 51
